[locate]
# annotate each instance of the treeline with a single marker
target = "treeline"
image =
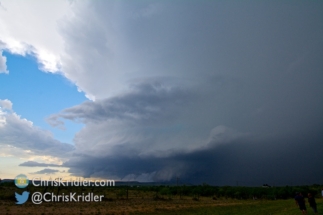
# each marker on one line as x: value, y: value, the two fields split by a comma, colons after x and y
x: 235, y: 192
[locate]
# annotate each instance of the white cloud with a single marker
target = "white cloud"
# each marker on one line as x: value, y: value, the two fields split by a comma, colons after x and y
x: 31, y: 28
x: 3, y: 65
x: 6, y: 104
x: 2, y: 114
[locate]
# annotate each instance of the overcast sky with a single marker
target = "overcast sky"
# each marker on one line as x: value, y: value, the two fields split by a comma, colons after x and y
x: 221, y: 92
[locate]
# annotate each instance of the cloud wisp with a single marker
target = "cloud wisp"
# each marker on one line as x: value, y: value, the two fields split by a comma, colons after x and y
x: 46, y: 171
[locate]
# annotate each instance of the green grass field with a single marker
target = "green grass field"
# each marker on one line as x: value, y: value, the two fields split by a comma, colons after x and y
x: 267, y: 207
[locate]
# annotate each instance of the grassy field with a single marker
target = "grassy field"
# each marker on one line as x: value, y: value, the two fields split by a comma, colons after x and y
x: 134, y: 202
x: 185, y: 206
x: 267, y: 207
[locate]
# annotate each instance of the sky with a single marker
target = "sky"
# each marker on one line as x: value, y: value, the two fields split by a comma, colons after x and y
x: 217, y: 92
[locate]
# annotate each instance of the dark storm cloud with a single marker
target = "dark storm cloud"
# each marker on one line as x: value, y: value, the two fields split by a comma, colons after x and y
x: 247, y: 161
x: 219, y: 92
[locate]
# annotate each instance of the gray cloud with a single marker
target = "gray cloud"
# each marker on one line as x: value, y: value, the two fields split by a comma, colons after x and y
x: 211, y: 91
x: 146, y: 102
x: 37, y: 164
x: 21, y: 133
x: 186, y: 41
x: 240, y: 57
x: 46, y: 171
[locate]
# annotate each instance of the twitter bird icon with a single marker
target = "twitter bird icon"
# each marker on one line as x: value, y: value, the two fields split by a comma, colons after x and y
x: 21, y: 198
